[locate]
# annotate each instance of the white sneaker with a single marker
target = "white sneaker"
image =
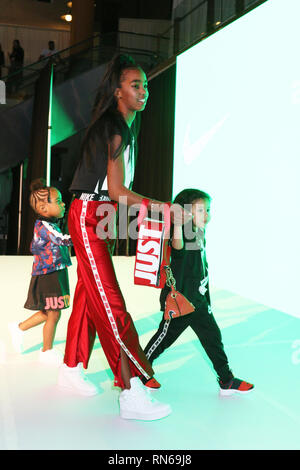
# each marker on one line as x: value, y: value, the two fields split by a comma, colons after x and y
x: 51, y: 356
x: 17, y: 336
x: 74, y: 379
x: 137, y: 403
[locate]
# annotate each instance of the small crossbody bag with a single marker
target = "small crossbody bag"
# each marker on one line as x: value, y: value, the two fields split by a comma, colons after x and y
x: 176, y: 305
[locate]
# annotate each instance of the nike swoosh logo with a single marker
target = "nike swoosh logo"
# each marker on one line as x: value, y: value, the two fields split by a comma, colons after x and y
x: 191, y: 151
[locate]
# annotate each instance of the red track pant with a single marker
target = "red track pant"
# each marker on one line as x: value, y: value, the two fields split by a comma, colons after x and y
x: 98, y: 304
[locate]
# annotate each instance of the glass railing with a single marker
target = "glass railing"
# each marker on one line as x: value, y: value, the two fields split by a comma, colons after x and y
x: 82, y: 57
x: 150, y: 51
x: 193, y: 20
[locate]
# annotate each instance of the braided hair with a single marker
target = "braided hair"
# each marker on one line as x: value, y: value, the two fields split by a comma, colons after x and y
x: 39, y: 193
x: 106, y: 118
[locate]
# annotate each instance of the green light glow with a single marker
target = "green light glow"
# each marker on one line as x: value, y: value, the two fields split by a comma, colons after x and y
x: 48, y: 166
x: 62, y: 124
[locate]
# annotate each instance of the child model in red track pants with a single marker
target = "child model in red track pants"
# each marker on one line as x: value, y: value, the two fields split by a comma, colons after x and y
x: 105, y: 174
x: 98, y: 302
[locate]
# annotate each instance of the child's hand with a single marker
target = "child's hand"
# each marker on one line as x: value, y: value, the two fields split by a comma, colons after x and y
x: 179, y: 216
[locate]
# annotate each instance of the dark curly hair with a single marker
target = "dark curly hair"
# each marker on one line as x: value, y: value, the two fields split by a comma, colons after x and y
x: 189, y: 195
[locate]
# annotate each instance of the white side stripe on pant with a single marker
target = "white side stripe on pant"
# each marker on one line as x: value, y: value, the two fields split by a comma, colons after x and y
x: 101, y: 290
x: 159, y: 339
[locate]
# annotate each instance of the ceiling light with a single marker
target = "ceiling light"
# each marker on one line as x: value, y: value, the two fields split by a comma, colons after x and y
x: 67, y: 17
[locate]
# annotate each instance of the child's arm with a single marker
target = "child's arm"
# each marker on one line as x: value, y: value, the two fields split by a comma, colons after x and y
x: 57, y: 237
x: 177, y: 240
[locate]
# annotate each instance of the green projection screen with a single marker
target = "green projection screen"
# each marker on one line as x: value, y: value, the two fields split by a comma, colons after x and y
x: 237, y: 136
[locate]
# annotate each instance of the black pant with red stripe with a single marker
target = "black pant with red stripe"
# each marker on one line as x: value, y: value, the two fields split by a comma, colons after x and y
x: 204, y: 325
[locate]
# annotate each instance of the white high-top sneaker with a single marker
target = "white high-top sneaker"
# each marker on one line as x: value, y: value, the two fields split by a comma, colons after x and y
x: 137, y: 403
x: 51, y: 356
x: 17, y: 336
x: 74, y: 379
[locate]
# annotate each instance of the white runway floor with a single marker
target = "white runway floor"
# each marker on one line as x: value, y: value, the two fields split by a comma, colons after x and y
x: 263, y: 346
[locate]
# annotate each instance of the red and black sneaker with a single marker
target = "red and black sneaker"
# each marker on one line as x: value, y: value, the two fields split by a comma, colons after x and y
x: 151, y: 384
x: 235, y: 386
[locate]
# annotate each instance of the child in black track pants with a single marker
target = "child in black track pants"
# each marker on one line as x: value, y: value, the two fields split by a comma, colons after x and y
x: 190, y: 270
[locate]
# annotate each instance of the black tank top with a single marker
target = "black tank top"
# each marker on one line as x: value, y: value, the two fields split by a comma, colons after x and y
x: 92, y: 177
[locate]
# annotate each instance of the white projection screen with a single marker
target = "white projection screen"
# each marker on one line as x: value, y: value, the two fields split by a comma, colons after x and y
x: 237, y: 137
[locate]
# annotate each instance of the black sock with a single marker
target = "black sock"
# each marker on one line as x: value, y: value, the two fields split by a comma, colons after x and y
x: 143, y: 379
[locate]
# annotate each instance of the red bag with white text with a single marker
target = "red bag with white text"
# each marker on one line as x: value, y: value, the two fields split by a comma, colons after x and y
x: 152, y: 250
